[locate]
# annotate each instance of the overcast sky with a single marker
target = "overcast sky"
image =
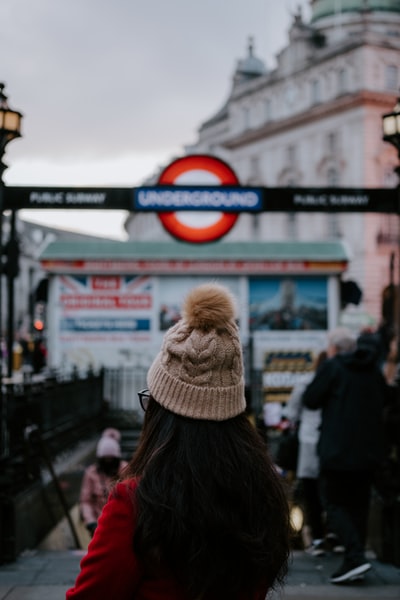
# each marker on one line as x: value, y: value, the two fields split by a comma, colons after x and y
x: 112, y: 89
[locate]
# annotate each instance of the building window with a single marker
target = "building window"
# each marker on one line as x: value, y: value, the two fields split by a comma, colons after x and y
x: 254, y: 164
x: 254, y: 177
x: 291, y: 156
x: 268, y: 110
x: 391, y: 78
x: 332, y: 177
x: 246, y: 117
x: 315, y: 91
x: 290, y: 95
x: 333, y: 225
x: 388, y: 230
x: 332, y: 143
x: 342, y: 81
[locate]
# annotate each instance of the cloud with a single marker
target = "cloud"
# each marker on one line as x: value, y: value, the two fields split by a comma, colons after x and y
x: 95, y: 77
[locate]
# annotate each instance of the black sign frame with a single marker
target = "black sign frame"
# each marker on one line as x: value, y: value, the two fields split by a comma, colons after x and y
x: 276, y: 199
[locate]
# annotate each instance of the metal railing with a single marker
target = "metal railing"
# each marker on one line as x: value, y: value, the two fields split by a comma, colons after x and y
x: 121, y: 385
x: 58, y: 406
x: 61, y: 405
x: 43, y: 419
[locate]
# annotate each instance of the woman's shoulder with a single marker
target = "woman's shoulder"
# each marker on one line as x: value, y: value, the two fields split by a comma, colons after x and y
x: 126, y: 487
x: 123, y: 494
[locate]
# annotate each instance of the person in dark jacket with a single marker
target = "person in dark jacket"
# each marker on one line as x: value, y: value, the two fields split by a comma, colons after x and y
x: 351, y: 391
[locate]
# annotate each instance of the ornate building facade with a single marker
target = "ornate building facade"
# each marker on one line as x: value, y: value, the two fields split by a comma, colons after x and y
x: 315, y: 121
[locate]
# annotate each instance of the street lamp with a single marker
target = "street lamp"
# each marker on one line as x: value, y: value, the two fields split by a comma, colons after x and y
x: 10, y: 128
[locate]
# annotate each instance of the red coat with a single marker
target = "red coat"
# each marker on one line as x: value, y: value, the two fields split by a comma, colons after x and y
x: 110, y: 570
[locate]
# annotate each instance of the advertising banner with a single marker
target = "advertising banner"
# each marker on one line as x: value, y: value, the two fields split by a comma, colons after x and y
x: 103, y: 320
x: 288, y: 318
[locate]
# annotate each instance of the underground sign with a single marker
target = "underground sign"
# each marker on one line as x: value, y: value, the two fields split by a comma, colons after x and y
x: 198, y: 226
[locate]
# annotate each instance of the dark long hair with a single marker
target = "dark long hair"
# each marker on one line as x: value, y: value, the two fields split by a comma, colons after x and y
x: 211, y: 508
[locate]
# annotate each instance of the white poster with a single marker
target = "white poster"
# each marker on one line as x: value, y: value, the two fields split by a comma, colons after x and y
x: 103, y: 320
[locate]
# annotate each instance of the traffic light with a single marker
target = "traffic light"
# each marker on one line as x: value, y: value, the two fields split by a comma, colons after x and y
x: 38, y: 325
x: 10, y: 258
x: 39, y: 317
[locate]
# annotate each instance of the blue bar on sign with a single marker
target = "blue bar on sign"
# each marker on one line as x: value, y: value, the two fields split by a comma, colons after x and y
x: 179, y: 197
x: 104, y: 324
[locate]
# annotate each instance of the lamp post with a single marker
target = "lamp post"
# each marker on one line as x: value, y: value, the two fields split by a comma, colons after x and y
x: 391, y: 134
x: 10, y: 128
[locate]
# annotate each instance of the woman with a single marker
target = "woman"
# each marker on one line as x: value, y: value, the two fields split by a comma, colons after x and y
x: 200, y: 513
x: 98, y: 477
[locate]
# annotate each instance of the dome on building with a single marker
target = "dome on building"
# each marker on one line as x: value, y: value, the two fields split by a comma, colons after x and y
x: 251, y: 66
x: 327, y: 8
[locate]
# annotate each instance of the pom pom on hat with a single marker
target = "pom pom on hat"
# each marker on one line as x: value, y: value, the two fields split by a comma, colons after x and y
x: 199, y: 371
x: 112, y: 433
x: 209, y: 306
x: 108, y: 446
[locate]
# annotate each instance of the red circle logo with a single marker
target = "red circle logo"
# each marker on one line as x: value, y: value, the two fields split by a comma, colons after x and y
x: 198, y: 226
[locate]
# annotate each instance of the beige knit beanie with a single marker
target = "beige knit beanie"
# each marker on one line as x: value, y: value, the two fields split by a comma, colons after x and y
x: 199, y: 371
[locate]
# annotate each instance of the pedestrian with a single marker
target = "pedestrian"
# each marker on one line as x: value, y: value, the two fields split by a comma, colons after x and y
x: 351, y: 391
x: 308, y: 423
x: 201, y: 512
x: 98, y: 477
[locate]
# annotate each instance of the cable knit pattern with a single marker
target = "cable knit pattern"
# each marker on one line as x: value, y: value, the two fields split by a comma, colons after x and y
x: 199, y: 370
